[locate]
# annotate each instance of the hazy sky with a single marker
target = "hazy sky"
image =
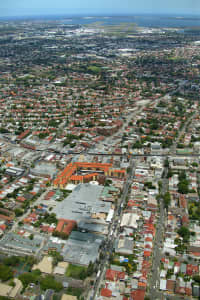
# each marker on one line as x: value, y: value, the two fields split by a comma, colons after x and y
x: 36, y: 7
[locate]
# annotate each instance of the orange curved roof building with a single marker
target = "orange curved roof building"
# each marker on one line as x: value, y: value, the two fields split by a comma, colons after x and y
x: 68, y: 175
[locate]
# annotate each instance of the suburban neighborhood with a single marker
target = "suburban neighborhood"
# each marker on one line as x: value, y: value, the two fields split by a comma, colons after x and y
x: 99, y: 162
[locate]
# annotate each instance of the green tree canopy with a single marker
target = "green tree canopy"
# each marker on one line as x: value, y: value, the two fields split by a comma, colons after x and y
x: 5, y: 272
x: 183, y: 186
x: 184, y: 233
x: 11, y: 261
x: 28, y: 278
x: 49, y: 282
x: 167, y: 199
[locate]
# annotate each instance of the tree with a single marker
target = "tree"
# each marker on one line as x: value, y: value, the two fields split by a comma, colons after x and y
x: 128, y: 170
x: 56, y: 257
x: 27, y: 278
x: 50, y: 218
x: 5, y: 272
x: 170, y: 173
x: 137, y: 145
x: 90, y: 269
x: 196, y: 278
x: 183, y: 186
x: 170, y: 272
x: 42, y: 135
x: 166, y: 163
x: 18, y: 212
x: 11, y: 261
x: 149, y: 185
x: 108, y: 182
x: 160, y: 185
x: 167, y: 199
x: 61, y: 235
x: 195, y: 164
x: 184, y: 233
x: 49, y: 282
x: 3, y: 130
x: 31, y: 236
x: 31, y: 260
x: 182, y: 176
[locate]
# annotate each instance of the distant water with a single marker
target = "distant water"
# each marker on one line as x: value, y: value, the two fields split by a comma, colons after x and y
x: 141, y: 20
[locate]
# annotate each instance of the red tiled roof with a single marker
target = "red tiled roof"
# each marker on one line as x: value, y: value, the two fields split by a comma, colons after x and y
x: 23, y: 134
x: 196, y: 253
x: 106, y: 293
x: 49, y: 195
x: 119, y: 171
x: 142, y: 284
x: 27, y: 220
x: 192, y: 269
x: 114, y: 275
x: 65, y: 226
x: 148, y: 239
x: 147, y: 253
x: 185, y: 219
x: 182, y: 201
x: 3, y: 227
x: 133, y: 203
x: 3, y: 217
x: 170, y: 285
x: 138, y: 295
x: 65, y: 175
x: 50, y: 229
x: 163, y: 260
x: 44, y: 228
x: 188, y: 291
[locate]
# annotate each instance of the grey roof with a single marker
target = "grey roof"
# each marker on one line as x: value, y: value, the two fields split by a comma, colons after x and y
x: 183, y: 268
x: 117, y: 268
x: 44, y: 168
x: 81, y: 203
x: 81, y: 248
x: 50, y: 245
x: 196, y: 291
x: 86, y: 237
x: 93, y: 227
x: 13, y: 241
x: 124, y: 246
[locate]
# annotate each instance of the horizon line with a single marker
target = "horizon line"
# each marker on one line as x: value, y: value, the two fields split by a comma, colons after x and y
x: 98, y: 15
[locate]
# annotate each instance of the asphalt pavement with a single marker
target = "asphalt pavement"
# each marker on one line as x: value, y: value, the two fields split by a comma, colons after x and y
x: 114, y: 228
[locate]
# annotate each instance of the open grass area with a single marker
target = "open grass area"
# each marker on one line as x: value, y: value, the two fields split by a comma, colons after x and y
x: 75, y: 271
x: 94, y: 69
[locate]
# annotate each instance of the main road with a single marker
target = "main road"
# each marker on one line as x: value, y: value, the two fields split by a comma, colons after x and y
x: 154, y: 280
x: 113, y: 232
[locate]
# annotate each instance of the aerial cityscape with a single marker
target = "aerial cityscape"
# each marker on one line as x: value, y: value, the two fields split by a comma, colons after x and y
x: 99, y: 155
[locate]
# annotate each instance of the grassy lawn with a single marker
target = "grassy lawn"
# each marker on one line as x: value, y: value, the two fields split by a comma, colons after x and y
x: 94, y: 69
x: 75, y: 271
